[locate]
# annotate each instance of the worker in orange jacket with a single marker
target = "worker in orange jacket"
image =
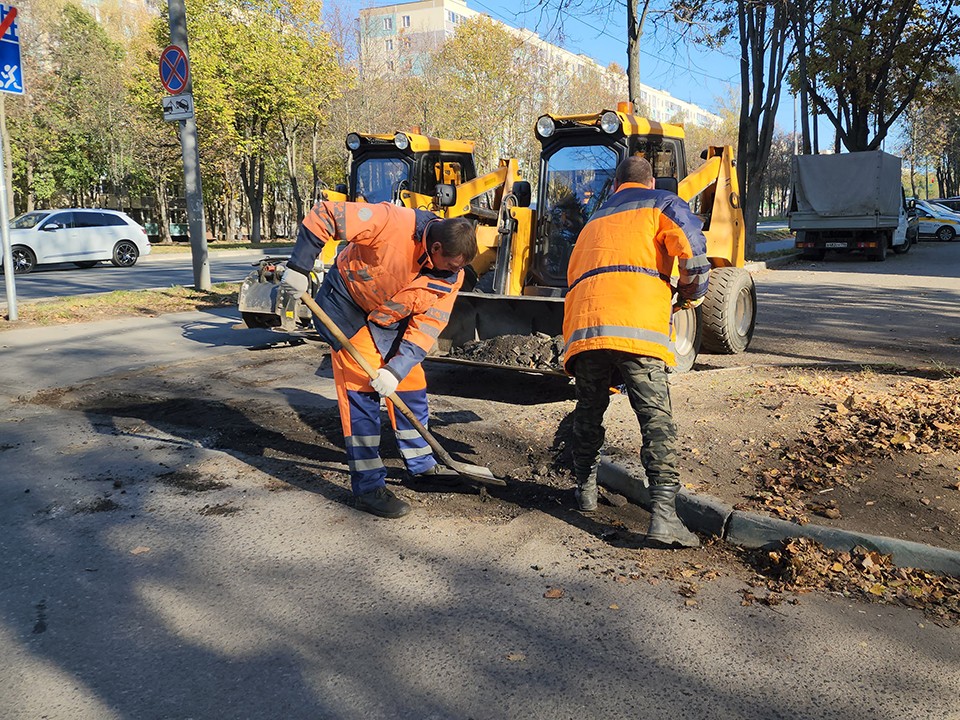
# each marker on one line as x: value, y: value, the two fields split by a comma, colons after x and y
x: 391, y: 291
x: 617, y: 322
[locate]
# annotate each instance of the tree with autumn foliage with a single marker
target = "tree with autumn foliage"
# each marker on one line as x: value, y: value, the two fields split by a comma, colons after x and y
x: 262, y: 72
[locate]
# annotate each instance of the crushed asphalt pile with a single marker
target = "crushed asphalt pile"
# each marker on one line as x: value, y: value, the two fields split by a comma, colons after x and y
x: 535, y: 352
x: 857, y: 426
x: 801, y: 565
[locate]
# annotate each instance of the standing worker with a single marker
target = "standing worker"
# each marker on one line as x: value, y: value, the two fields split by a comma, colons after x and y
x: 390, y: 291
x: 618, y: 317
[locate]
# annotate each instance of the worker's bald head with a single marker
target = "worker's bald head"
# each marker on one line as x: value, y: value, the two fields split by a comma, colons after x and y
x: 635, y: 169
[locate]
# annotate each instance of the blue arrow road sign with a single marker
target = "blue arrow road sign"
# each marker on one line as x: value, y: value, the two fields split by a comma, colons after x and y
x: 11, y: 72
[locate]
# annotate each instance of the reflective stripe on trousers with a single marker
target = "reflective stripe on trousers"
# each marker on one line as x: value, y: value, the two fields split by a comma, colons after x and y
x: 360, y: 416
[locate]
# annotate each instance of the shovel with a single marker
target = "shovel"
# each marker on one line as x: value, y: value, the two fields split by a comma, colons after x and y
x: 472, y: 472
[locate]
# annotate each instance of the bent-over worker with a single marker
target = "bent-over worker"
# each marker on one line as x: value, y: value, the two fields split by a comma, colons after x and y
x: 617, y: 319
x: 390, y: 291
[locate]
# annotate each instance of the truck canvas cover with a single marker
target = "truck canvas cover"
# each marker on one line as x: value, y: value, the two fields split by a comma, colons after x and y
x: 850, y: 185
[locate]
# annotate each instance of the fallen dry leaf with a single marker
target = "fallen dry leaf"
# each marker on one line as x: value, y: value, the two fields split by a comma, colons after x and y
x: 553, y: 593
x: 140, y: 550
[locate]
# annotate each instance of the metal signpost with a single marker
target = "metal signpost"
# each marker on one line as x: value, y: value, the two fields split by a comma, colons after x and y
x: 11, y: 81
x: 175, y: 76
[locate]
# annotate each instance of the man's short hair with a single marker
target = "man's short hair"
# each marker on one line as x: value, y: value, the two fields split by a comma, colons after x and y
x: 457, y: 236
x: 634, y: 169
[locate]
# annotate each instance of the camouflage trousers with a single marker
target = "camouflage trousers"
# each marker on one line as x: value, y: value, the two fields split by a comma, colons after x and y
x: 645, y: 379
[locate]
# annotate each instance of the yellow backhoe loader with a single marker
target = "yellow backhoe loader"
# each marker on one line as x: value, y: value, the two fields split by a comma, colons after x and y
x: 404, y: 168
x: 522, y: 271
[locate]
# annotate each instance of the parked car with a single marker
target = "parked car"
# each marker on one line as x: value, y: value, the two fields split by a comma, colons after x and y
x: 937, y: 221
x: 81, y: 236
x: 951, y: 203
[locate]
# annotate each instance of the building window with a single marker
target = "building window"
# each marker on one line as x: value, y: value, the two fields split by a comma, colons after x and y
x: 405, y: 21
x: 390, y: 66
x: 388, y: 23
x: 388, y: 45
x: 405, y: 43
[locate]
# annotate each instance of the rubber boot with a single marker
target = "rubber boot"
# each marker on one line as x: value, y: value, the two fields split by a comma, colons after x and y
x: 666, y: 528
x: 586, y: 492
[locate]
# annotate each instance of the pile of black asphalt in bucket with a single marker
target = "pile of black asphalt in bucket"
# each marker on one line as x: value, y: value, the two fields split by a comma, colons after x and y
x: 535, y: 352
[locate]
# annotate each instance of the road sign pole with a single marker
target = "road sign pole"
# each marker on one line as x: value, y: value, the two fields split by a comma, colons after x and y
x: 11, y: 81
x: 11, y: 289
x: 191, y: 161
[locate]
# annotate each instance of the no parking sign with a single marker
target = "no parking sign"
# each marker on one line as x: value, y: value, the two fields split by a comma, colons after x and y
x: 174, y: 69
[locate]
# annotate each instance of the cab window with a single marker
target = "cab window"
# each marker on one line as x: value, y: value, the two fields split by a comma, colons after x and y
x: 376, y: 178
x: 436, y: 167
x: 663, y: 154
x: 578, y: 180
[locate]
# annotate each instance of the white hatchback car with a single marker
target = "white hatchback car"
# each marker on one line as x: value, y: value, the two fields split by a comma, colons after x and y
x: 83, y: 237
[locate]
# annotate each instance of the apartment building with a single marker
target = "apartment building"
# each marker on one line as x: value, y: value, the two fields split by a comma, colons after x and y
x: 400, y: 37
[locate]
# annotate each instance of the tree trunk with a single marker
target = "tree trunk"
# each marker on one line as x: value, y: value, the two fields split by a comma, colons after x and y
x: 29, y: 195
x: 290, y: 140
x: 634, y: 33
x: 163, y: 212
x: 762, y: 71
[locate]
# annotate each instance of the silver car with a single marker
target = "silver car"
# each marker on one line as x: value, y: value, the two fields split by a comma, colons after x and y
x: 80, y: 236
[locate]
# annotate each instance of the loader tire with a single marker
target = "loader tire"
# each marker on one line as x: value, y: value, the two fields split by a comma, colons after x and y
x: 689, y: 326
x: 729, y: 311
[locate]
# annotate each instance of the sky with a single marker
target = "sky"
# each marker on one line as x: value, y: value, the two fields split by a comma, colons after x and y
x: 698, y: 76
x: 705, y: 78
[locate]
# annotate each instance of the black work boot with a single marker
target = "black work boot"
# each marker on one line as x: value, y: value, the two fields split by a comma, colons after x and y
x: 586, y: 492
x: 666, y: 528
x: 382, y: 502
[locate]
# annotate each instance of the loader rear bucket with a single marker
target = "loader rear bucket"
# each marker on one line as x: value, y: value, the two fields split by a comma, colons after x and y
x: 484, y: 317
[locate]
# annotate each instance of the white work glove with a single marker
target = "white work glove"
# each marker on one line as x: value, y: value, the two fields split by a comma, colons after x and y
x: 385, y: 382
x: 294, y: 281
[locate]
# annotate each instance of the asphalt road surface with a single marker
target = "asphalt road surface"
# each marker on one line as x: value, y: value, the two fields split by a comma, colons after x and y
x: 153, y: 271
x: 846, y: 308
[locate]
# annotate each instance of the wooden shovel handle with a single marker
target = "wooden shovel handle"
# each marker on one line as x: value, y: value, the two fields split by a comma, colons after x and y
x: 337, y: 333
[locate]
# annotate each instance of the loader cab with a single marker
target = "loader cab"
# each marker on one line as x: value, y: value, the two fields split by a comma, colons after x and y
x: 385, y: 167
x: 578, y: 160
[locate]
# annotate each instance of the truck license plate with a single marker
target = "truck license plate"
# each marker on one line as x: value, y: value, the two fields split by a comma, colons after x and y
x: 836, y: 245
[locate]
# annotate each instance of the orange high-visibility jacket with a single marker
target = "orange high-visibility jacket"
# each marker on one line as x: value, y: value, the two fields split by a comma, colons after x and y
x: 620, y: 296
x: 383, y: 277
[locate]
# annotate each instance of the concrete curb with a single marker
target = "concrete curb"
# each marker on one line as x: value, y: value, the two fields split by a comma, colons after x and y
x: 705, y: 514
x: 759, y: 265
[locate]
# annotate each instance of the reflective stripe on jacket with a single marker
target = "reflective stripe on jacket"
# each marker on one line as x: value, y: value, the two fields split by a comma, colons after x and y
x: 387, y: 275
x: 619, y: 294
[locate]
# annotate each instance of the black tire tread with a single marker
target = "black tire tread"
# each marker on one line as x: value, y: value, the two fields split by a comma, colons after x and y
x: 718, y: 335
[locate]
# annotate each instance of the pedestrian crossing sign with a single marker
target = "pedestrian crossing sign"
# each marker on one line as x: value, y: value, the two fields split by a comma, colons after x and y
x: 11, y: 71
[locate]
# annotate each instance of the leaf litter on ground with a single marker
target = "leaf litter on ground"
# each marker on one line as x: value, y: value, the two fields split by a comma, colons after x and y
x: 856, y: 426
x: 798, y: 565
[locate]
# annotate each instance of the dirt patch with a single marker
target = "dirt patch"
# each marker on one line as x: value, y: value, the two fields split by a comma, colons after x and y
x: 535, y: 352
x: 191, y: 481
x: 100, y: 504
x: 869, y: 450
x: 863, y: 449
